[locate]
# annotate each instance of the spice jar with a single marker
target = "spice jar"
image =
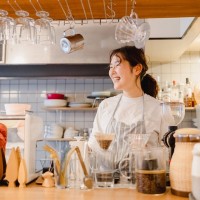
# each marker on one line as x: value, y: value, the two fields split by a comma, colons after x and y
x: 151, y: 170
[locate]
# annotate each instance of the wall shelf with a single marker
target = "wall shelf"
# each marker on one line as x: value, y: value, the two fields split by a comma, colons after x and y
x: 89, y: 109
x: 69, y: 109
x: 190, y: 108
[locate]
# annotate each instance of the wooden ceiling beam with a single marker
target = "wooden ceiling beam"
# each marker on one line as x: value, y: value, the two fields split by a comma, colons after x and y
x: 144, y: 8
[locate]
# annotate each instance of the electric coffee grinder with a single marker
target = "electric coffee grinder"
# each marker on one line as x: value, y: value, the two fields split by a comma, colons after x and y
x: 174, y: 113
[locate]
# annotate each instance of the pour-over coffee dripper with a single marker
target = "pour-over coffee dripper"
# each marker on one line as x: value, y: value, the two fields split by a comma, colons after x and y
x: 174, y: 113
x: 104, y: 140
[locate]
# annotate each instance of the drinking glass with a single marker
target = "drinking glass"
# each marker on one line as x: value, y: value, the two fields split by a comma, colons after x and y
x: 6, y: 27
x: 127, y: 168
x: 25, y: 31
x: 102, y: 169
x: 45, y: 31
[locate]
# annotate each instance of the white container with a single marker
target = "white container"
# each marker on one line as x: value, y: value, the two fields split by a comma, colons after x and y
x: 53, y: 131
x: 17, y: 108
x: 196, y: 171
x: 55, y: 102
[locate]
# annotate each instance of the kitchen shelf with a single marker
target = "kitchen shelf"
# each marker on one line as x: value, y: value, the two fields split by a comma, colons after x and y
x: 69, y: 109
x: 190, y: 108
x: 86, y: 109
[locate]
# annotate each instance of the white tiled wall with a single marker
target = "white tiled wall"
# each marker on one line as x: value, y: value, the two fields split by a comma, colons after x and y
x: 33, y: 91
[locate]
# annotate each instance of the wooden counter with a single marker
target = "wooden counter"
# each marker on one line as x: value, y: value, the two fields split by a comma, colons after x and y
x: 37, y: 192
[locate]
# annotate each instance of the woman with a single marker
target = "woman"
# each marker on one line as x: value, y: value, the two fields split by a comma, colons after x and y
x: 134, y: 117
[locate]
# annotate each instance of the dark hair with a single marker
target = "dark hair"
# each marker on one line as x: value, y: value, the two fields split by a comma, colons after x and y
x: 149, y: 85
x: 137, y: 56
x: 134, y: 56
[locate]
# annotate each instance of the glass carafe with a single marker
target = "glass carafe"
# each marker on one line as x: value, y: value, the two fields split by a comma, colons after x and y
x: 151, y: 170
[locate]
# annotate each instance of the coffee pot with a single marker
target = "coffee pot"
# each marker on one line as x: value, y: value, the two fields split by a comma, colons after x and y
x: 181, y: 162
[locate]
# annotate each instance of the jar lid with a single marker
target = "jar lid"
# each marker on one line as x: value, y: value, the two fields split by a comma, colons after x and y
x: 187, y: 135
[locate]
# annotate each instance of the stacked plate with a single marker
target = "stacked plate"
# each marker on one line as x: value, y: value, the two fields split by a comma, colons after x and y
x: 79, y: 105
x: 55, y: 100
x: 103, y: 94
x: 99, y: 95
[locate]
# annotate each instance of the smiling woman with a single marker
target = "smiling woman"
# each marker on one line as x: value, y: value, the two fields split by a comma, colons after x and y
x: 128, y: 115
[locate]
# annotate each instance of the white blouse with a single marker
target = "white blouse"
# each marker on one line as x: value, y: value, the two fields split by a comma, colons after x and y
x: 129, y: 111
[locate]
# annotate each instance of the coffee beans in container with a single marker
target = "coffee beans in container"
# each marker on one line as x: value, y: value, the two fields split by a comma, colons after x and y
x: 151, y: 181
x: 151, y: 170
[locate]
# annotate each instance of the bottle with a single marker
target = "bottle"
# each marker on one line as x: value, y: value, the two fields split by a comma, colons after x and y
x: 159, y: 96
x: 181, y: 92
x: 174, y: 94
x: 166, y: 92
x: 188, y: 94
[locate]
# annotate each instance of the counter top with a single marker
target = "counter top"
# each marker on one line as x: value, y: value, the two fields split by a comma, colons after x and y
x: 37, y: 192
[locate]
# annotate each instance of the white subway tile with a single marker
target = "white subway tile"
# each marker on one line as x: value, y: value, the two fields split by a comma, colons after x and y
x: 79, y: 87
x: 166, y: 68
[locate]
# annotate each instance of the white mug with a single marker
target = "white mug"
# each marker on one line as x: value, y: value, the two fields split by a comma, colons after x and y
x: 71, y: 42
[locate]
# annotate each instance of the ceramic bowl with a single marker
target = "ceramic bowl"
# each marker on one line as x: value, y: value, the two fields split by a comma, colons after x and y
x: 55, y: 102
x: 16, y: 108
x: 55, y: 96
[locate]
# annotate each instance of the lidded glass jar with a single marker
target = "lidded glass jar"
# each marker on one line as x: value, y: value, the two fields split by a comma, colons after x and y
x: 181, y: 162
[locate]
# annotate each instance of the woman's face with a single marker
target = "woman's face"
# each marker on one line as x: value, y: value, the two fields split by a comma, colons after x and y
x: 121, y: 73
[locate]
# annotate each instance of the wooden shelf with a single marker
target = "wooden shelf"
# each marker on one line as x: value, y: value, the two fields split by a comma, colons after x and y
x: 87, y: 109
x: 190, y: 108
x: 69, y: 109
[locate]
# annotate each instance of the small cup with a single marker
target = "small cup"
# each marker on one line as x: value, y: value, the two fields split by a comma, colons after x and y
x: 103, y: 169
